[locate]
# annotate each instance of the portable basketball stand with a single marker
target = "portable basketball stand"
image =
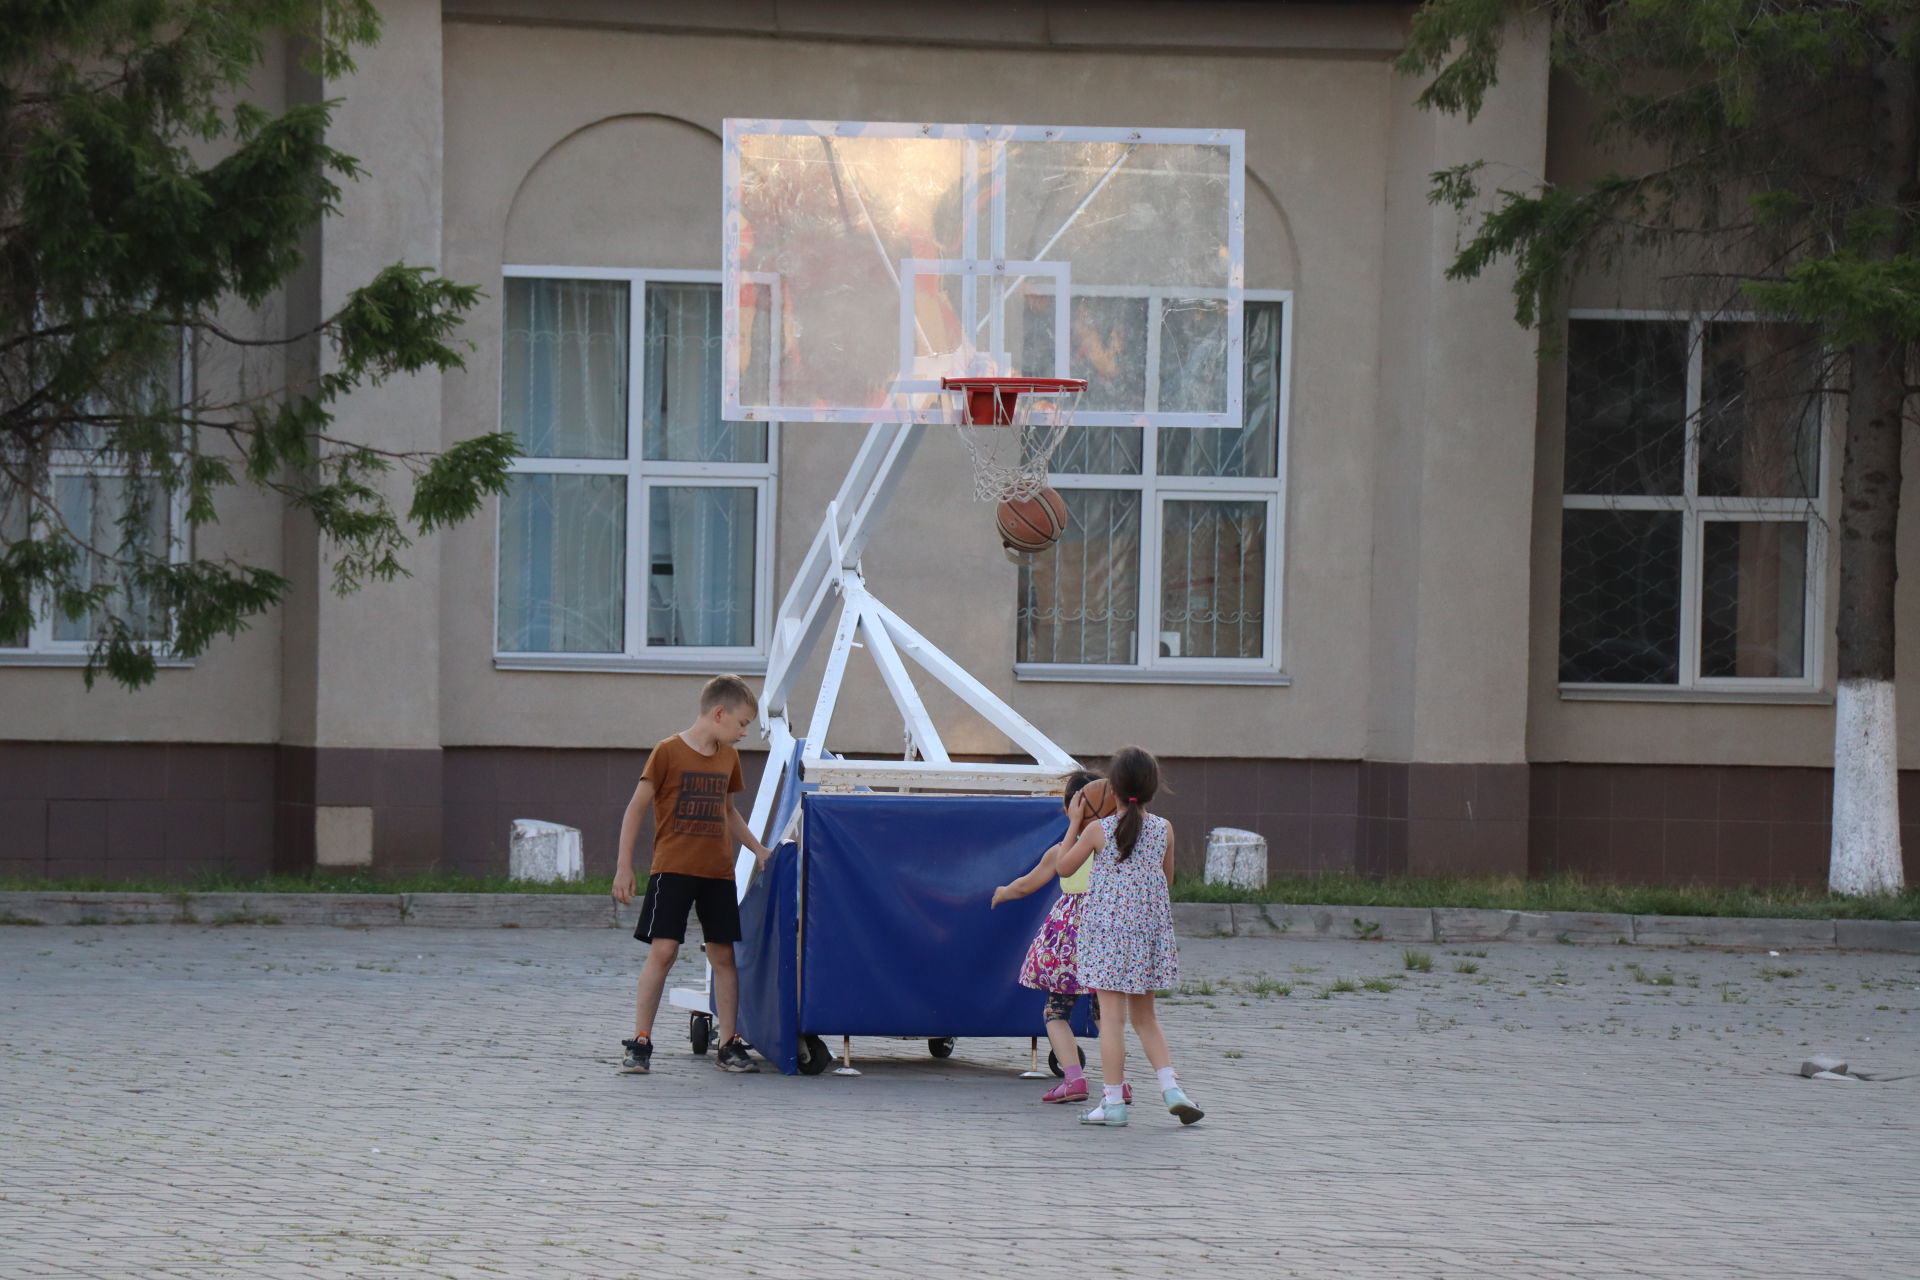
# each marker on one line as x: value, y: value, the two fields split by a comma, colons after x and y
x: 872, y: 917
x: 832, y: 569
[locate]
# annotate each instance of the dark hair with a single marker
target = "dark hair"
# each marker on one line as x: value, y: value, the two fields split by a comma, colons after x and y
x: 1076, y: 783
x: 730, y: 692
x: 1134, y: 775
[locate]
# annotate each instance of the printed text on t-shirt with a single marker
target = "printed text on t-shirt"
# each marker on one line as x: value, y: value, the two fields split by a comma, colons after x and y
x: 701, y: 807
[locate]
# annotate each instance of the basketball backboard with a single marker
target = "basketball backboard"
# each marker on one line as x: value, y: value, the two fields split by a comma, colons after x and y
x: 864, y: 262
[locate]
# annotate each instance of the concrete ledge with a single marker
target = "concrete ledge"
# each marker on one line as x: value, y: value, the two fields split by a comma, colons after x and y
x: 1203, y: 919
x: 1877, y: 935
x: 1280, y: 920
x: 1730, y: 931
x: 1190, y: 919
x: 1474, y: 924
x: 1573, y: 926
x: 1382, y: 924
x: 510, y: 910
x: 346, y: 910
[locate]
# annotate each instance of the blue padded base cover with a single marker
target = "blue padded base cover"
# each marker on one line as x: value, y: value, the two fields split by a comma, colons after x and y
x: 898, y: 939
x: 766, y: 956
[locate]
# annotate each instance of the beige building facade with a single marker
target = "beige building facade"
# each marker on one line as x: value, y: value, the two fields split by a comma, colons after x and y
x: 1375, y: 664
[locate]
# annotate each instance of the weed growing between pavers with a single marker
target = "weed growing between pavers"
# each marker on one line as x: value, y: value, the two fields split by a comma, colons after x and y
x: 1419, y: 961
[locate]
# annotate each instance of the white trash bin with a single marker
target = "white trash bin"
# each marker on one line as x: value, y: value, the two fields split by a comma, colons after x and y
x: 1236, y: 857
x: 544, y: 851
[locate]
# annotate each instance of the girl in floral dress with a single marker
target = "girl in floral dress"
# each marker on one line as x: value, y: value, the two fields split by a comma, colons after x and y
x: 1049, y: 963
x: 1124, y: 948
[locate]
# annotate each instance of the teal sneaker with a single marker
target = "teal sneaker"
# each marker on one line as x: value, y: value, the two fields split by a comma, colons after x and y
x: 1111, y: 1114
x: 1179, y: 1104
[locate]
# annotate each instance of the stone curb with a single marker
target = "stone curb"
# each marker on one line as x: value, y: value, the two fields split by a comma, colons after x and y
x: 1191, y: 919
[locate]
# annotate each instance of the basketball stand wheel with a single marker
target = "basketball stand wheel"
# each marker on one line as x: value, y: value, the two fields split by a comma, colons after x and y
x: 1033, y: 1071
x: 700, y: 1032
x: 814, y: 1057
x: 1053, y: 1061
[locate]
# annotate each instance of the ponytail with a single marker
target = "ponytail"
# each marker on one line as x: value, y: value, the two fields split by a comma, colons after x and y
x: 1135, y: 777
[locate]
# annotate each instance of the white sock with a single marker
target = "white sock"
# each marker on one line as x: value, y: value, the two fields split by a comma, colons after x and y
x: 1112, y: 1095
x: 1165, y: 1075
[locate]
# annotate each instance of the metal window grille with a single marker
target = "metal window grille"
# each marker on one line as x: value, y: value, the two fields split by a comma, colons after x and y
x: 1692, y: 535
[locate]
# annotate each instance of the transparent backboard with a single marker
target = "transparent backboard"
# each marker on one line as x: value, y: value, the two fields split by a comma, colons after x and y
x: 864, y: 262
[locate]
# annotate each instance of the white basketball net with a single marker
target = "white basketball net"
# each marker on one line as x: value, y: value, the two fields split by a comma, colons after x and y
x: 1010, y: 459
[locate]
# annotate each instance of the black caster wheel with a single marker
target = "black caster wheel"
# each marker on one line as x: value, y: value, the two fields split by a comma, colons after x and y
x: 814, y: 1057
x: 700, y: 1032
x: 941, y: 1047
x: 1053, y: 1060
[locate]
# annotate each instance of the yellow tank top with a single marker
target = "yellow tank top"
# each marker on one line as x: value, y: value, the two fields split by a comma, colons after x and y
x: 1082, y: 879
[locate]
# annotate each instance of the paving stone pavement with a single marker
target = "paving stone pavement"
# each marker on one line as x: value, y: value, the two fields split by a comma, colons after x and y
x: 312, y: 1102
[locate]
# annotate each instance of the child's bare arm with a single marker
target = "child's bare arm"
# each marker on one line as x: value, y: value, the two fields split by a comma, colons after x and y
x: 1082, y: 848
x: 629, y: 835
x: 1026, y: 884
x: 1168, y: 867
x: 742, y: 834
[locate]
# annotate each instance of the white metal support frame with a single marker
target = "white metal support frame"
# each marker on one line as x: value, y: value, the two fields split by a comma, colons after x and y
x: 832, y: 567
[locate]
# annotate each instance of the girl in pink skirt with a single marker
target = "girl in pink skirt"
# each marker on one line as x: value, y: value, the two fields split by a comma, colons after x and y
x: 1049, y: 964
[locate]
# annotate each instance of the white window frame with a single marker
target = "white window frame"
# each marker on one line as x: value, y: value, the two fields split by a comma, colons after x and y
x: 1155, y: 491
x: 1696, y: 512
x: 41, y: 649
x: 643, y: 477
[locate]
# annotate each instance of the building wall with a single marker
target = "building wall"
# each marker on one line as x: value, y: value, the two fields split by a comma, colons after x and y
x: 1422, y: 729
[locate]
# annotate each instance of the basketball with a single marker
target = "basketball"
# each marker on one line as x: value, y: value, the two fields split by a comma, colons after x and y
x: 1033, y: 524
x: 1097, y: 799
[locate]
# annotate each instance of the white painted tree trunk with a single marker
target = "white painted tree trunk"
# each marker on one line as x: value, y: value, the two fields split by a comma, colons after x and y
x: 1866, y: 791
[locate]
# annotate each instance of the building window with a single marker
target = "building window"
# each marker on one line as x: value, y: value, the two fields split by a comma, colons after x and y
x: 1170, y: 566
x: 115, y: 509
x: 1691, y: 530
x: 636, y: 531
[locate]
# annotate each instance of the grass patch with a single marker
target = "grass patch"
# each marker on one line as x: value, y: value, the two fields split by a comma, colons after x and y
x: 1338, y: 986
x: 1557, y: 893
x: 1417, y: 960
x: 317, y: 882
x: 1465, y: 966
x: 1382, y: 985
x: 1662, y: 979
x: 1265, y: 986
x: 1769, y: 974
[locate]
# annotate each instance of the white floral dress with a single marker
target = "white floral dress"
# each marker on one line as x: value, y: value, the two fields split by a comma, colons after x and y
x: 1125, y: 940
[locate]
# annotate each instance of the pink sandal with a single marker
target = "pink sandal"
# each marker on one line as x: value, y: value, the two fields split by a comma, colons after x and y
x: 1067, y: 1091
x: 1076, y: 1091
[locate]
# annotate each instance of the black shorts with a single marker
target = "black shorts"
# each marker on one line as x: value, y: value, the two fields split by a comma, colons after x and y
x: 671, y: 896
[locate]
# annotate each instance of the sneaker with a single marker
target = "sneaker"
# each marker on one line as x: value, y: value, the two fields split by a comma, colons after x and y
x: 1111, y: 1114
x: 639, y: 1059
x: 733, y: 1056
x: 1067, y: 1091
x: 1179, y: 1104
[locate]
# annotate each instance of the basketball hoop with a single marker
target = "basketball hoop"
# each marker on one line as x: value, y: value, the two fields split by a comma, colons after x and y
x: 1011, y: 427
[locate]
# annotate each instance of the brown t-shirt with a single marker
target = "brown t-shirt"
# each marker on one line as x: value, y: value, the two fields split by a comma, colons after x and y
x: 690, y: 807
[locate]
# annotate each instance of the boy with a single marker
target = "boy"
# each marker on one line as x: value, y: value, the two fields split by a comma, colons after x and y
x: 689, y: 781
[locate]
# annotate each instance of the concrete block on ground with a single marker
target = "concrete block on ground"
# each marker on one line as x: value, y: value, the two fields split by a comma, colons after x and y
x: 1383, y: 924
x: 1877, y: 935
x: 1572, y: 926
x: 1281, y: 920
x: 544, y: 851
x: 1733, y: 931
x: 1236, y: 857
x: 510, y: 910
x: 1474, y: 924
x: 345, y: 910
x: 1203, y: 919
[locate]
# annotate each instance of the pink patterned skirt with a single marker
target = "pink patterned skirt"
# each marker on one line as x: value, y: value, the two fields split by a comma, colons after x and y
x: 1049, y: 963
